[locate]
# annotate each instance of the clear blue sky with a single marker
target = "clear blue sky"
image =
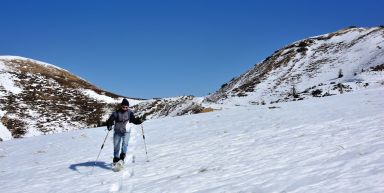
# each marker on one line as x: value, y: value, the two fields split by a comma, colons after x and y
x: 164, y: 48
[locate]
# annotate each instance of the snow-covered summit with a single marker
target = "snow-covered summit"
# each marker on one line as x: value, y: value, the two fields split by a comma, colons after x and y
x: 342, y: 61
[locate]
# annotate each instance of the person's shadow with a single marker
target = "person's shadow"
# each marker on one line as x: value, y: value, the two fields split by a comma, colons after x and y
x: 90, y: 164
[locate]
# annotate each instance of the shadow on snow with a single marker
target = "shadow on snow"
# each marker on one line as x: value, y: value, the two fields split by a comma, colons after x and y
x: 90, y: 164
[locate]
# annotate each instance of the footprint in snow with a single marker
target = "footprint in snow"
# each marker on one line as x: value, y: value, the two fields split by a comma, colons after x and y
x: 40, y: 151
x: 116, y: 187
x: 121, y: 185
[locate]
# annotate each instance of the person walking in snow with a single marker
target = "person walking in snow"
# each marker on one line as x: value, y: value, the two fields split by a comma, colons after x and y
x: 120, y: 119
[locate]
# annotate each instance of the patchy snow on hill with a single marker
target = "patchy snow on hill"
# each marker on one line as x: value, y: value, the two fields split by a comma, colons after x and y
x: 38, y: 98
x: 330, y: 144
x: 330, y: 64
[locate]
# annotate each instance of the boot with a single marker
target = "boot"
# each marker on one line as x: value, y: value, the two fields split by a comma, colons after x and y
x: 115, y: 160
x: 122, y: 156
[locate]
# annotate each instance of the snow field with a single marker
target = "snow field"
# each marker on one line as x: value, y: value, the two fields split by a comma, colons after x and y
x: 331, y: 144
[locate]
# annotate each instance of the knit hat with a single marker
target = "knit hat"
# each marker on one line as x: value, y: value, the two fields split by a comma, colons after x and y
x: 125, y: 102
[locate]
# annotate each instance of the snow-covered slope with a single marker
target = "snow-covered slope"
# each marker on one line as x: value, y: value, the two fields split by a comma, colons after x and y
x: 343, y: 61
x: 39, y: 98
x: 331, y: 144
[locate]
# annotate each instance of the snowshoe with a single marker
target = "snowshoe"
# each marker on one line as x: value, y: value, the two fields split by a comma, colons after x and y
x: 118, y: 166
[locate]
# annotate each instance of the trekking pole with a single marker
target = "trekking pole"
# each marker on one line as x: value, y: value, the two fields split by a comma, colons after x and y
x: 102, y: 146
x: 145, y: 145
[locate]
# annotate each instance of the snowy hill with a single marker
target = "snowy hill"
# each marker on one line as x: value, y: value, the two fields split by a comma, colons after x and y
x: 39, y: 98
x: 335, y: 63
x: 331, y: 144
x: 344, y: 61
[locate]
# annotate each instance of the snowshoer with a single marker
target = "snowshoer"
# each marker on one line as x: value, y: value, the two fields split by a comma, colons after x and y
x: 120, y: 119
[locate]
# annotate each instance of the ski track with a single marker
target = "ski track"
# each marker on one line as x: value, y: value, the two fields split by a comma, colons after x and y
x: 332, y: 144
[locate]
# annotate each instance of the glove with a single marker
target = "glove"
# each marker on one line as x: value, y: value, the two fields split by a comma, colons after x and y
x: 143, y: 118
x: 109, y: 127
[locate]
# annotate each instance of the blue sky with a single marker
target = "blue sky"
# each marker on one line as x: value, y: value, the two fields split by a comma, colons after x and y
x: 168, y: 48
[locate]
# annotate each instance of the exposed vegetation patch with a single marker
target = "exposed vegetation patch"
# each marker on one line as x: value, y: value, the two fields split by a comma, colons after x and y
x: 317, y: 93
x: 15, y: 126
x: 378, y: 68
x: 302, y: 46
x: 342, y: 88
x: 207, y: 110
